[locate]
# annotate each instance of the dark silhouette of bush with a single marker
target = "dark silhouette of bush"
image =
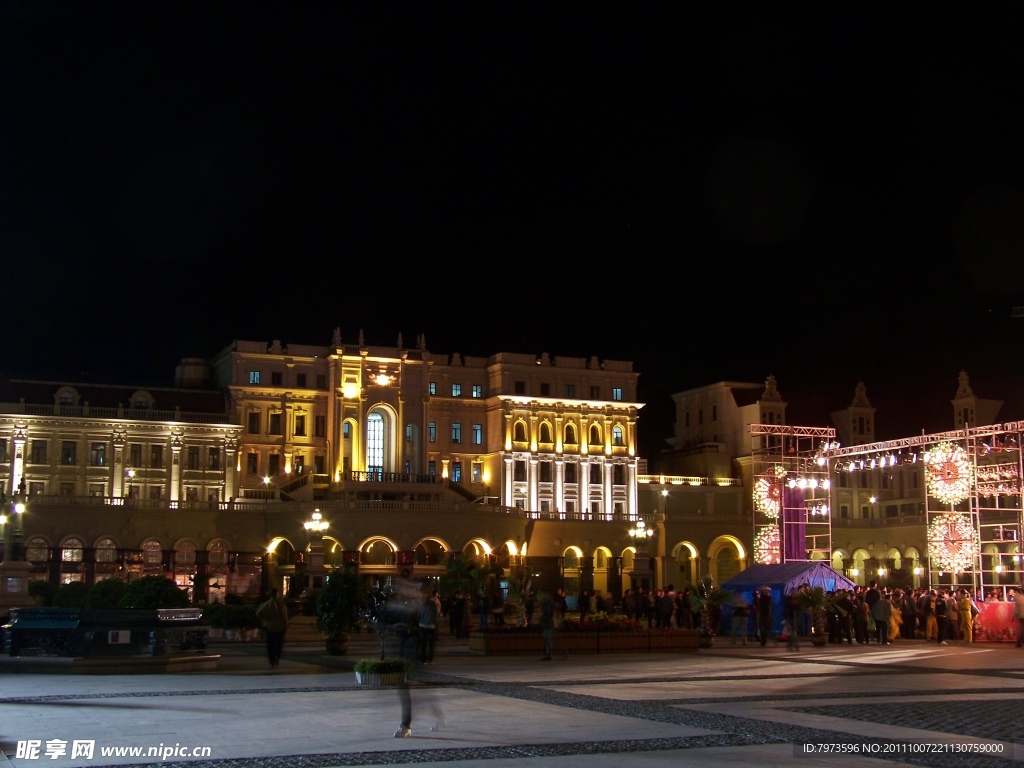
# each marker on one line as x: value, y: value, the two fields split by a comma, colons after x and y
x: 42, y: 592
x: 70, y: 595
x: 105, y: 594
x: 153, y: 592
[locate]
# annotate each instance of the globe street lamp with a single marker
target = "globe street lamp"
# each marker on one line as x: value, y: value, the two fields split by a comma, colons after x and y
x: 315, y: 527
x: 641, y: 575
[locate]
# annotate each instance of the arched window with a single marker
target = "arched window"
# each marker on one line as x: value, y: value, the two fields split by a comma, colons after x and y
x: 570, y: 434
x: 545, y: 432
x: 595, y: 435
x: 571, y: 559
x: 106, y: 551
x: 617, y: 436
x: 429, y: 553
x: 378, y: 553
x: 37, y: 550
x: 152, y: 553
x: 519, y: 432
x: 375, y: 443
x: 218, y: 553
x: 185, y: 553
x: 71, y: 551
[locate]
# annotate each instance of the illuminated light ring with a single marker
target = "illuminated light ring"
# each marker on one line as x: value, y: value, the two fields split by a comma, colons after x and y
x: 948, y: 473
x: 768, y: 492
x: 952, y: 543
x: 768, y: 545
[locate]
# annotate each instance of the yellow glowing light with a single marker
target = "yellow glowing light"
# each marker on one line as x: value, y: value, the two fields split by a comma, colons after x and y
x: 768, y: 545
x: 948, y: 473
x: 350, y: 390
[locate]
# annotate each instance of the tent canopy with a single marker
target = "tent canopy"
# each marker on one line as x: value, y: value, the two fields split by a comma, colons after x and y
x: 784, y: 578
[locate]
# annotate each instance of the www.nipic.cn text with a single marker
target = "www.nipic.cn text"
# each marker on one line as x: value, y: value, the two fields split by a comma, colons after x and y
x: 35, y: 749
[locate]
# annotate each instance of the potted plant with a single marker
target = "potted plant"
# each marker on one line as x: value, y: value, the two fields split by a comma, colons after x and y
x: 708, y: 601
x: 391, y: 670
x: 819, y: 603
x: 338, y: 606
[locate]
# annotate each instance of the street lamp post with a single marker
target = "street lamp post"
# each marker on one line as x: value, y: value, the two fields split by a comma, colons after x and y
x: 640, y: 534
x: 130, y: 474
x: 17, y: 537
x: 315, y: 527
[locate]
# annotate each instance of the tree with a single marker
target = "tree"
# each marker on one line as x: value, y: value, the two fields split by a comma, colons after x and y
x: 105, y: 594
x: 71, y: 595
x: 341, y: 601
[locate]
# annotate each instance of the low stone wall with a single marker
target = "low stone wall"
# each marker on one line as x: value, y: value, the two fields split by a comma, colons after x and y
x: 103, y: 633
x: 526, y: 642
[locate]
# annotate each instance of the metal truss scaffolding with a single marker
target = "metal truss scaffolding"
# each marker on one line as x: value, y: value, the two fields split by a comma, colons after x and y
x: 792, y: 493
x: 973, y: 500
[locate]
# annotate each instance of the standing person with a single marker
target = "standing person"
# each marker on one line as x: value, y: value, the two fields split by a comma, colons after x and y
x: 583, y: 603
x: 456, y: 613
x: 1018, y: 614
x: 273, y: 615
x: 793, y: 611
x: 561, y: 606
x: 881, y: 612
x: 764, y: 615
x: 483, y: 608
x: 967, y: 609
x: 629, y: 603
x: 931, y: 618
x: 941, y: 619
x: 547, y: 624
x: 427, y: 617
x: 844, y: 616
x: 740, y: 607
x: 861, y: 614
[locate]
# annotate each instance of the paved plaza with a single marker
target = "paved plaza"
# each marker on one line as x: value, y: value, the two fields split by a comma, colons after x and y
x: 910, y: 703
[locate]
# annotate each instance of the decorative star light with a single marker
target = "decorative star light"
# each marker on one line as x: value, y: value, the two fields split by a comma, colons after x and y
x: 768, y: 492
x: 952, y: 542
x: 948, y: 473
x: 768, y: 545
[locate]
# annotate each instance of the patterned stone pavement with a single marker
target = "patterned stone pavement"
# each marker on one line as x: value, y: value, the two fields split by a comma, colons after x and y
x: 733, y: 705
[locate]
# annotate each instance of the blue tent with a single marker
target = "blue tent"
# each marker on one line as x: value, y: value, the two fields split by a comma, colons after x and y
x: 782, y: 578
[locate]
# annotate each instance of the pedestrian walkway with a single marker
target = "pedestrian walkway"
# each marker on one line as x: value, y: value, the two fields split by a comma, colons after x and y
x: 726, y: 707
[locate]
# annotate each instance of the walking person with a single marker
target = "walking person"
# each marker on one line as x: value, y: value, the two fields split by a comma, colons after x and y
x: 764, y: 615
x: 968, y: 610
x: 404, y: 610
x: 547, y: 624
x: 427, y: 617
x: 273, y: 615
x: 941, y: 619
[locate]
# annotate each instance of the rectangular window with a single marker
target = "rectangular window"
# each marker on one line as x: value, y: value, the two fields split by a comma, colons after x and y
x: 98, y: 455
x: 135, y: 455
x: 3, y: 450
x: 545, y: 471
x: 274, y: 467
x: 595, y: 474
x: 68, y: 452
x: 275, y: 378
x: 192, y: 459
x: 478, y: 434
x: 456, y: 390
x: 519, y: 471
x: 156, y: 456
x: 319, y: 426
x: 478, y: 390
x: 346, y: 430
x: 570, y: 472
x: 300, y: 380
x: 432, y: 388
x: 618, y: 475
x: 252, y: 464
x: 254, y: 422
x: 457, y: 471
x: 155, y: 492
x: 456, y: 433
x: 254, y: 377
x: 478, y: 471
x: 96, y: 489
x: 864, y: 513
x: 214, y: 462
x: 432, y: 468
x: 520, y: 387
x: 300, y: 425
x: 318, y: 465
x: 321, y: 381
x: 545, y: 389
x: 616, y: 393
x: 36, y: 489
x: 570, y: 390
x: 274, y: 428
x: 38, y: 453
x: 432, y: 432
x: 67, y: 489
x: 595, y: 392
x: 844, y: 511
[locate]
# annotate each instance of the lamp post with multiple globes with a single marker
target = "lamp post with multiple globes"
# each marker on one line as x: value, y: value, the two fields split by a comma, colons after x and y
x: 641, y: 576
x: 315, y: 572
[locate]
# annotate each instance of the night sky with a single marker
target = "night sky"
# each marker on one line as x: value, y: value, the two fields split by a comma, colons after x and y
x: 824, y: 192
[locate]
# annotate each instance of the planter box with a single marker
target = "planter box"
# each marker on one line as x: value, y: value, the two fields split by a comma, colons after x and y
x: 380, y: 678
x: 646, y: 641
